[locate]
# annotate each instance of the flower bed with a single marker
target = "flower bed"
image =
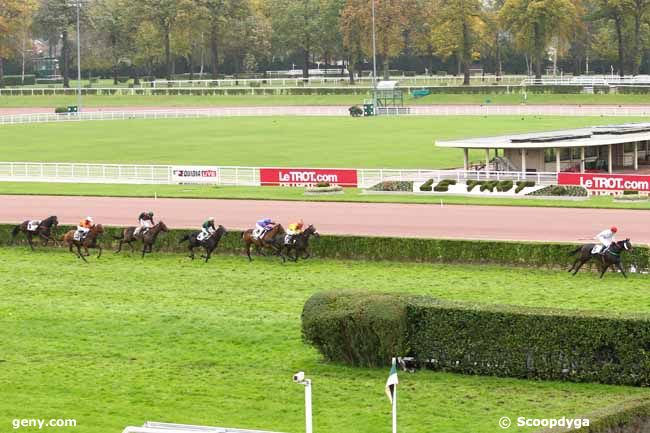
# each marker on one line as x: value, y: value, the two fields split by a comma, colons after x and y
x: 393, y: 185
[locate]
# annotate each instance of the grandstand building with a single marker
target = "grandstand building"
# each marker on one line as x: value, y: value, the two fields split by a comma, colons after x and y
x: 612, y: 148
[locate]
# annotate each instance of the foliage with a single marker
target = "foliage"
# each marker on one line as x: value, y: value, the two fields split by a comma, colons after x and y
x: 427, y: 186
x: 366, y: 329
x: 393, y: 185
x: 17, y: 80
x: 523, y: 184
x: 560, y: 190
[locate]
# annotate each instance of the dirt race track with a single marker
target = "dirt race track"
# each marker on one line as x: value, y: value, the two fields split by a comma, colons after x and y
x: 373, y: 219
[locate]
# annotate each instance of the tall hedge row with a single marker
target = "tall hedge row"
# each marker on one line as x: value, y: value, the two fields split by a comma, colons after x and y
x: 368, y: 329
x: 548, y: 255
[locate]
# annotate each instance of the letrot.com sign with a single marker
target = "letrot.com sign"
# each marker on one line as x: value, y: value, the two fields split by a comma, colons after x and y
x: 605, y: 182
x: 307, y: 176
x: 195, y: 174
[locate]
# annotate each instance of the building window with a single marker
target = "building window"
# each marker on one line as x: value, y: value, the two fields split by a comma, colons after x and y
x: 628, y: 148
x: 591, y: 151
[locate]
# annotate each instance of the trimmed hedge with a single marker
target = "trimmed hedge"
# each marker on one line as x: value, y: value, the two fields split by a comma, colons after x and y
x: 523, y: 184
x: 530, y: 342
x: 549, y: 255
x: 355, y: 328
x: 17, y: 80
x: 443, y: 185
x: 368, y: 329
x: 427, y: 186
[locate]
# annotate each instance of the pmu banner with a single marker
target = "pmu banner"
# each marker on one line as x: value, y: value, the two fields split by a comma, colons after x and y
x: 195, y: 174
x: 307, y: 176
x: 606, y: 182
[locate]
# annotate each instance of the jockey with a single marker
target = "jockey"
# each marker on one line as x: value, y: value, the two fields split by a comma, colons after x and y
x: 146, y: 222
x: 606, y: 238
x: 295, y: 228
x: 208, y: 228
x: 264, y: 225
x: 84, y: 227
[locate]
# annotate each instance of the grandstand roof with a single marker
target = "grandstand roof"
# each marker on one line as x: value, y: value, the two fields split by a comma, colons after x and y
x: 584, y: 137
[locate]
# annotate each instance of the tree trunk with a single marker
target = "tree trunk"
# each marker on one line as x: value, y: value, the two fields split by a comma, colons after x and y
x: 214, y: 51
x: 190, y: 59
x: 65, y: 53
x: 466, y: 54
x: 636, y: 55
x: 497, y: 46
x: 351, y: 69
x: 539, y: 52
x: 2, y: 72
x: 305, y: 66
x: 136, y: 77
x: 168, y: 53
x: 385, y: 62
x: 115, y: 72
x: 618, y: 22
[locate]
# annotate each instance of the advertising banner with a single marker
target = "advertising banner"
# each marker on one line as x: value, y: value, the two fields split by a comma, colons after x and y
x: 606, y: 182
x: 195, y: 174
x: 307, y: 176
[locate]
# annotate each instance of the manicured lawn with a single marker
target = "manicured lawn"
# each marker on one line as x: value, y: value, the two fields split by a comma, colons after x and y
x: 124, y: 340
x: 404, y: 142
x: 199, y: 101
x: 293, y: 194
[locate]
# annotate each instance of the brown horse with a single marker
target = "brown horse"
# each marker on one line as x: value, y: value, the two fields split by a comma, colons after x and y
x: 610, y: 258
x: 148, y: 238
x: 90, y: 241
x: 44, y: 230
x: 273, y: 239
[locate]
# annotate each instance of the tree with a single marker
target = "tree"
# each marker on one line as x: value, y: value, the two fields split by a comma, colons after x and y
x: 616, y: 11
x: 163, y: 14
x: 116, y: 24
x: 456, y: 26
x: 534, y: 23
x: 296, y: 26
x: 640, y: 9
x: 353, y: 33
x: 57, y: 17
x: 14, y: 22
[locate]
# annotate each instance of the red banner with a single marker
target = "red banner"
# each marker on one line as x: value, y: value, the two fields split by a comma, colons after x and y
x: 606, y: 182
x: 307, y: 176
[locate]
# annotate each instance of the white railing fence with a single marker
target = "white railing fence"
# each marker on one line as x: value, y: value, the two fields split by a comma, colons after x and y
x: 425, y: 110
x: 228, y: 175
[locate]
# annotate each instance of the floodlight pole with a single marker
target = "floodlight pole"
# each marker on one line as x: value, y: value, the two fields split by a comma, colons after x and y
x: 78, y: 60
x: 374, y: 61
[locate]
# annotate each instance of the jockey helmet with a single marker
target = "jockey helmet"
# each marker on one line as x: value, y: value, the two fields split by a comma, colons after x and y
x: 211, y: 219
x: 89, y: 219
x: 614, y: 229
x: 150, y: 213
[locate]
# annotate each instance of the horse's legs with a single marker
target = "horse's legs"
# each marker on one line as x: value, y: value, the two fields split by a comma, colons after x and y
x: 119, y: 246
x: 582, y: 262
x: 144, y: 249
x: 620, y: 268
x: 605, y: 267
x: 99, y: 247
x: 29, y: 241
x: 248, y: 251
x: 79, y: 254
x: 208, y: 253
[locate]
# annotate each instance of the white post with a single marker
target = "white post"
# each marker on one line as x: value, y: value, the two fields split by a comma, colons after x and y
x: 582, y: 159
x: 395, y: 409
x: 636, y: 156
x: 558, y: 165
x: 308, y: 424
x: 374, y: 61
x: 466, y: 158
x: 78, y: 60
x: 523, y: 163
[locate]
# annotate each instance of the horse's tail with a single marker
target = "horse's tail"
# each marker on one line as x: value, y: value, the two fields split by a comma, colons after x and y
x: 184, y: 238
x: 576, y: 251
x: 15, y: 231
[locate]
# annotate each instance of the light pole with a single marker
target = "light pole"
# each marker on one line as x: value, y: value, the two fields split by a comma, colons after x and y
x: 302, y: 380
x: 374, y: 61
x: 78, y: 3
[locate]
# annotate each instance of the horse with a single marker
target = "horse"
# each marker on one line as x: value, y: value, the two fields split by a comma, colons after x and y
x: 273, y: 239
x: 148, y: 237
x: 210, y: 244
x: 90, y: 241
x: 612, y: 257
x: 44, y: 230
x: 299, y: 244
